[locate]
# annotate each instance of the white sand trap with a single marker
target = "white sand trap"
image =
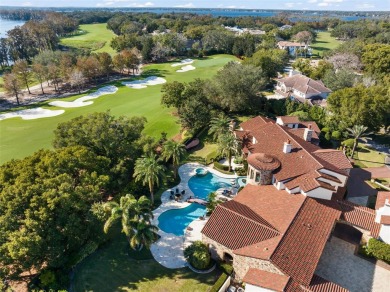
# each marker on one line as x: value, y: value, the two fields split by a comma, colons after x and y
x: 139, y: 84
x: 183, y: 62
x: 32, y: 114
x: 186, y: 68
x: 85, y: 100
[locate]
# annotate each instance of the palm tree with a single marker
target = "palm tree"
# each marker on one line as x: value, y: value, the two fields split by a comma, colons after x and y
x: 175, y: 151
x: 131, y: 212
x: 219, y: 126
x: 358, y: 132
x: 145, y: 234
x: 228, y: 145
x: 149, y: 171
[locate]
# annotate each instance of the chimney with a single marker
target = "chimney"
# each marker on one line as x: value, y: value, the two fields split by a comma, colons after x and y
x: 308, y: 133
x: 287, y: 146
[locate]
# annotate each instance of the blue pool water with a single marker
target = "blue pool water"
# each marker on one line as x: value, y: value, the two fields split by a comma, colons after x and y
x: 176, y: 220
x: 201, y: 186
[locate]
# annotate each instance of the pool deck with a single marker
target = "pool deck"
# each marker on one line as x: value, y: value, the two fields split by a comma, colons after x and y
x: 168, y: 250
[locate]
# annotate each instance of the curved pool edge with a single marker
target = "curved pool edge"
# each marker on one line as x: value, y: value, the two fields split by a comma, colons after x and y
x: 168, y: 250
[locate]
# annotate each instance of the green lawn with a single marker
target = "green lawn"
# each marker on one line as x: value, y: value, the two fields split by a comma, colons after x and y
x: 95, y: 37
x: 366, y: 157
x: 116, y: 268
x: 324, y: 42
x: 20, y: 138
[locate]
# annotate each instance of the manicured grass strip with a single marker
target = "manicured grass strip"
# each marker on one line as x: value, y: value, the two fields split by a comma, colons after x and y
x: 116, y: 268
x: 323, y: 43
x: 95, y: 37
x: 20, y: 138
x: 366, y: 157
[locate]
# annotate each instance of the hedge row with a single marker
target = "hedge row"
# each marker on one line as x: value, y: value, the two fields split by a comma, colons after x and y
x: 217, y: 285
x: 379, y: 250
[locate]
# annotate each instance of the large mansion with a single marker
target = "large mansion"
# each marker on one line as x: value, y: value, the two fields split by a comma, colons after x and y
x: 274, y: 231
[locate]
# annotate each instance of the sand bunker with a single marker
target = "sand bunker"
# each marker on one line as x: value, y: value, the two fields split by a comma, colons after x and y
x: 186, y: 68
x: 32, y: 114
x: 86, y: 100
x: 183, y: 62
x: 139, y: 84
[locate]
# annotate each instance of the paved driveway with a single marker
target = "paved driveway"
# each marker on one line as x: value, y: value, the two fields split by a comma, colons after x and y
x: 338, y: 264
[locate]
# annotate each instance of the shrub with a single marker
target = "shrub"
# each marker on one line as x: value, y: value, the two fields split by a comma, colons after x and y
x: 238, y: 160
x: 219, y: 283
x: 379, y: 250
x: 220, y: 166
x: 197, y: 254
x: 47, y: 278
x: 226, y: 268
x: 240, y: 171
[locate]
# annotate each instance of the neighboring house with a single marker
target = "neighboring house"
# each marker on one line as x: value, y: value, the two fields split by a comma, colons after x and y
x: 275, y: 229
x: 284, y: 27
x: 292, y: 47
x: 240, y: 31
x: 301, y: 88
x: 383, y: 215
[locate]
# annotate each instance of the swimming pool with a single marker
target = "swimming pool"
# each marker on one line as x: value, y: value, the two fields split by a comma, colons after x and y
x: 176, y: 220
x: 201, y: 186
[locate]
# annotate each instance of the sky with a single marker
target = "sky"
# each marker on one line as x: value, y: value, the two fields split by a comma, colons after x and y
x: 347, y: 5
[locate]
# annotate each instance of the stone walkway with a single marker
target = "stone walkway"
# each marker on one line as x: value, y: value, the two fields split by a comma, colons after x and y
x: 168, y: 250
x: 339, y: 264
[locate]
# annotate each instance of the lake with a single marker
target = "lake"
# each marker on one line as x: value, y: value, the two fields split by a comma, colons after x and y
x: 6, y: 25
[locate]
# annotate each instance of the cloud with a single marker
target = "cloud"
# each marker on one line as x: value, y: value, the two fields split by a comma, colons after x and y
x: 188, y: 5
x: 289, y: 4
x: 312, y: 1
x: 27, y: 4
x: 122, y: 3
x: 324, y: 4
x: 364, y: 6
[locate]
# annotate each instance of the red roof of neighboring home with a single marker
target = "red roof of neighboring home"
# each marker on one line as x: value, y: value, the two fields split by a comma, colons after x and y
x: 260, y: 278
x: 381, y: 199
x: 319, y: 284
x: 305, y: 84
x: 300, y: 250
x: 289, y: 119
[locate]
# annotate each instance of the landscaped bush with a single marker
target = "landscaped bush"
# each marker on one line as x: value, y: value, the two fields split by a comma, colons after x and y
x: 227, y: 268
x: 219, y: 283
x: 240, y: 171
x: 379, y: 250
x: 220, y: 166
x: 197, y: 254
x: 238, y: 160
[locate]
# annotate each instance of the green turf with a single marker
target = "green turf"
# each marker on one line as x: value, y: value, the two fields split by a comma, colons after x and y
x: 324, y: 42
x: 95, y: 37
x: 367, y: 157
x: 116, y: 268
x: 20, y: 138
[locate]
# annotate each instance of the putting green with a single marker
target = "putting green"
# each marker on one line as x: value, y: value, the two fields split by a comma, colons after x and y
x: 19, y: 138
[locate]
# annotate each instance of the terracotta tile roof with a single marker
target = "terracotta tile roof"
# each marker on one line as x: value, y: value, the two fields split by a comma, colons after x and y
x: 289, y: 119
x: 330, y: 177
x: 235, y: 231
x: 255, y: 123
x: 304, y: 84
x: 385, y: 219
x: 267, y: 280
x: 319, y: 284
x: 339, y: 194
x: 263, y: 161
x: 300, y: 249
x: 314, y: 126
x: 300, y: 132
x: 301, y: 165
x: 334, y: 157
x: 260, y: 250
x: 360, y: 216
x: 276, y: 206
x: 381, y: 199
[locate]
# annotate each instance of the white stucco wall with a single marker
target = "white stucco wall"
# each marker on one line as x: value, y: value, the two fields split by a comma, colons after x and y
x: 319, y: 193
x: 384, y: 233
x: 253, y: 288
x: 342, y: 178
